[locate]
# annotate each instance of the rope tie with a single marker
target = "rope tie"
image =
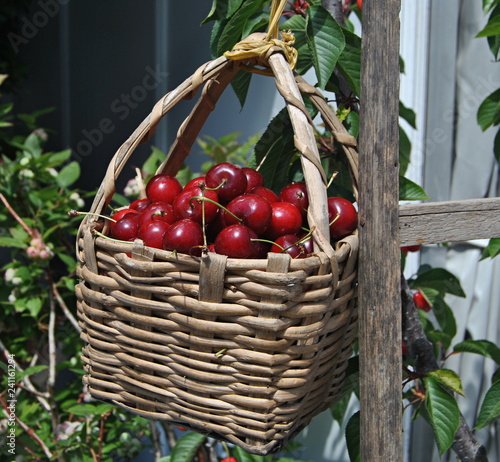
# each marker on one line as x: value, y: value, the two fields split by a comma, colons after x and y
x: 258, y: 47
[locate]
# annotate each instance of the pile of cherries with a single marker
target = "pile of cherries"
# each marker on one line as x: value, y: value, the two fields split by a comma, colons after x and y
x: 228, y: 211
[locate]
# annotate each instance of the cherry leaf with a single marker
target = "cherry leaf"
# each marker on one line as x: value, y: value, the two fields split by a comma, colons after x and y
x: 443, y: 414
x: 490, y: 409
x: 480, y: 347
x: 449, y: 379
x: 352, y: 436
x: 186, y: 447
x: 326, y: 42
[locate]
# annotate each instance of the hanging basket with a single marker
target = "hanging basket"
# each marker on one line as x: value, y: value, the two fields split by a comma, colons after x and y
x: 247, y: 351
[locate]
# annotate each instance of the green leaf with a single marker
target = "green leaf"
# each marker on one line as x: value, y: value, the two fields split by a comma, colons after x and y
x: 11, y: 242
x: 492, y: 249
x: 326, y: 41
x: 232, y: 32
x: 349, y: 62
x: 408, y: 115
x: 240, y: 85
x: 68, y: 174
x: 29, y: 371
x: 57, y: 158
x: 490, y: 408
x: 352, y: 436
x: 439, y: 279
x: 34, y: 306
x: 447, y: 378
x: 275, y: 149
x: 492, y: 28
x: 404, y: 151
x: 85, y: 409
x: 411, y: 191
x: 186, y: 447
x: 443, y: 413
x: 222, y: 9
x: 496, y: 146
x: 488, y: 113
x: 480, y: 347
x: 153, y: 161
x: 488, y: 5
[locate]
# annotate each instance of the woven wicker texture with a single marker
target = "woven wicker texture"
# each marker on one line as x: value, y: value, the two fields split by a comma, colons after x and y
x: 243, y: 350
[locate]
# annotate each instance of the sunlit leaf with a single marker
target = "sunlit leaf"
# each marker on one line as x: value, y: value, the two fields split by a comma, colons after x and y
x: 448, y: 378
x: 411, y: 191
x: 480, y: 347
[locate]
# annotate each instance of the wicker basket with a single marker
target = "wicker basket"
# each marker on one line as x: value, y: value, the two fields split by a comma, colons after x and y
x: 247, y: 351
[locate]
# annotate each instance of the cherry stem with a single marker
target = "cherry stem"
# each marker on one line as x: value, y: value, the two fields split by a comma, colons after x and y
x: 203, y: 198
x: 270, y: 242
x: 76, y: 213
x: 334, y: 175
x: 335, y: 219
x: 224, y: 181
x: 32, y: 233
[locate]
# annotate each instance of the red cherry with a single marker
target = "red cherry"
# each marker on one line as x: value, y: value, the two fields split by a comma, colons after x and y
x: 359, y: 4
x: 152, y: 233
x: 285, y: 219
x: 267, y: 193
x: 158, y: 211
x: 287, y: 243
x: 343, y: 217
x: 421, y: 302
x: 229, y: 459
x: 125, y: 229
x: 254, y: 178
x: 185, y: 236
x: 253, y: 211
x: 410, y: 248
x: 122, y: 212
x: 163, y: 188
x: 404, y: 348
x: 296, y: 194
x: 198, y: 182
x: 187, y: 206
x: 140, y: 204
x: 228, y: 180
x: 235, y: 241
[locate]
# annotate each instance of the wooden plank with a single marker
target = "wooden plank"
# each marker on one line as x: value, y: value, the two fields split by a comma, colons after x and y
x: 379, y: 256
x: 449, y: 221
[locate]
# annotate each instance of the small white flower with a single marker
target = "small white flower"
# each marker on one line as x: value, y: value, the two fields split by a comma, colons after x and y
x: 16, y: 281
x: 26, y: 173
x: 66, y: 429
x: 132, y: 188
x: 75, y: 197
x: 10, y: 274
x: 24, y: 161
x: 52, y: 171
x: 41, y: 133
x: 12, y: 297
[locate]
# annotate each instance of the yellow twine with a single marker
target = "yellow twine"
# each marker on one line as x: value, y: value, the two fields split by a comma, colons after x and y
x: 258, y: 47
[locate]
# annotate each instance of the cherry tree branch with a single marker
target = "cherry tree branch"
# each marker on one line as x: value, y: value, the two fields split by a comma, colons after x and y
x: 465, y: 445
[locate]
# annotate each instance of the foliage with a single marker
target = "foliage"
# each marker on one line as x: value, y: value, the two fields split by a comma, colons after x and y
x: 40, y: 335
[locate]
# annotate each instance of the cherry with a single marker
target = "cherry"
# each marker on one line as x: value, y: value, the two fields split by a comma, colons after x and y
x: 152, y: 233
x: 235, y: 241
x: 343, y: 217
x: 253, y: 211
x: 163, y: 188
x: 285, y: 219
x: 404, y: 348
x: 421, y: 301
x: 140, y: 204
x: 229, y: 459
x: 158, y: 211
x: 289, y: 243
x: 410, y: 248
x: 359, y: 4
x: 198, y: 181
x: 296, y: 194
x: 267, y: 193
x: 187, y: 204
x: 228, y: 180
x: 185, y: 236
x: 307, y: 244
x: 254, y: 178
x: 118, y: 215
x: 125, y: 229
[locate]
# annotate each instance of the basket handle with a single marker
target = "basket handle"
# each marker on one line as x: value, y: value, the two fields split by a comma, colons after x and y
x: 208, y: 71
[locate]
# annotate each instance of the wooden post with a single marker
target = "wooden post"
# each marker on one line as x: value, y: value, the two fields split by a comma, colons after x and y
x: 379, y: 256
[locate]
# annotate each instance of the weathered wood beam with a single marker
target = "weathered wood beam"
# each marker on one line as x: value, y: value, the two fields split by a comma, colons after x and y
x: 379, y: 255
x: 450, y: 221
